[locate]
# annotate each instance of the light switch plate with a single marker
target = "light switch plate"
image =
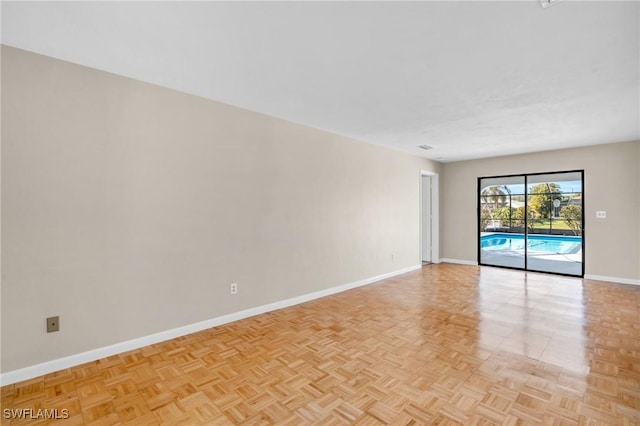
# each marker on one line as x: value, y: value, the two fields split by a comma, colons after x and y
x: 601, y: 214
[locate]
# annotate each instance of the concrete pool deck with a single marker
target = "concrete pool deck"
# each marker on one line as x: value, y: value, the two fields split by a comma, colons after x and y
x: 545, y: 262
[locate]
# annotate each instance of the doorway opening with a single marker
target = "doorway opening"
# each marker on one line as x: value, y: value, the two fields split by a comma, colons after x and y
x: 532, y: 222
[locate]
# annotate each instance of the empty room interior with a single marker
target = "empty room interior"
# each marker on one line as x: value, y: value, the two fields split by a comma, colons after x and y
x: 320, y: 213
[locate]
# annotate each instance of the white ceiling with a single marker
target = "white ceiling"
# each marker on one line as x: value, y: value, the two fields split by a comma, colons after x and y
x: 471, y: 79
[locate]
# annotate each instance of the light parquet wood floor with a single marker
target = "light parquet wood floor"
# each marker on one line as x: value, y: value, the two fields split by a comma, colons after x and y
x: 447, y: 344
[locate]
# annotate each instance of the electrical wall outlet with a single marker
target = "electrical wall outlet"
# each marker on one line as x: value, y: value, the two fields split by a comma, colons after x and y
x: 234, y: 288
x: 53, y: 324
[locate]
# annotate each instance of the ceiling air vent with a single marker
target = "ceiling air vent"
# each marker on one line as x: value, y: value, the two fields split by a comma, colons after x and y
x: 425, y: 147
x: 547, y: 3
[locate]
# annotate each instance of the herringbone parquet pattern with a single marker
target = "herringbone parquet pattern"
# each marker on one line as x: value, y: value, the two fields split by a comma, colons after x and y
x: 447, y: 344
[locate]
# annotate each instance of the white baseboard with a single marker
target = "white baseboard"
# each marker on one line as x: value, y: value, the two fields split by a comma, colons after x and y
x: 612, y: 279
x: 459, y: 261
x: 92, y: 355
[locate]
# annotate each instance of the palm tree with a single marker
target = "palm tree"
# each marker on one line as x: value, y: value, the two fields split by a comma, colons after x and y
x: 493, y: 195
x: 496, y: 193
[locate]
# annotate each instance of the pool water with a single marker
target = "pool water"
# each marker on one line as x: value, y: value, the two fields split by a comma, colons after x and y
x: 553, y: 244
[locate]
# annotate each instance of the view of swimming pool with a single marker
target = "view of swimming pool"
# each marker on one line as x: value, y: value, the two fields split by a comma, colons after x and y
x: 553, y: 244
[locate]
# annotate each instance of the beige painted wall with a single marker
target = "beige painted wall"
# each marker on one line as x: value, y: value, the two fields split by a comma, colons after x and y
x: 612, y: 183
x: 128, y: 209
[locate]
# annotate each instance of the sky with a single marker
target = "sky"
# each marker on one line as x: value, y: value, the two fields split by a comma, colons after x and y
x: 568, y: 186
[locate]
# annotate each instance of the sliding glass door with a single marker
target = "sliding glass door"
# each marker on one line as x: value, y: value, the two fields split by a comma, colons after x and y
x: 532, y: 222
x: 502, y: 224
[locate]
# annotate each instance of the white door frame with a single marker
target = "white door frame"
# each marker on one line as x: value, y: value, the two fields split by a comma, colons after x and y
x: 435, y: 215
